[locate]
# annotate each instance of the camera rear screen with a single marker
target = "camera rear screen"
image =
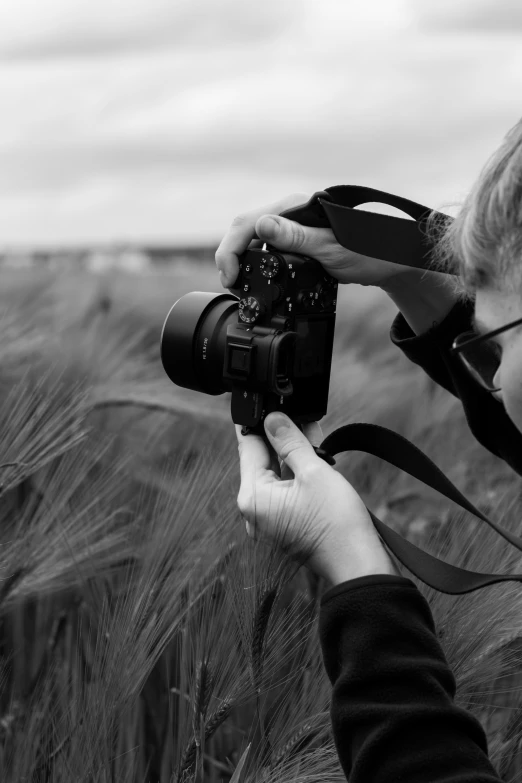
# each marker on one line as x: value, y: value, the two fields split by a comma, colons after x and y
x: 310, y: 348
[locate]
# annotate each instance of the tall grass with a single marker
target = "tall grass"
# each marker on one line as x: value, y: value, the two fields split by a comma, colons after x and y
x: 143, y: 636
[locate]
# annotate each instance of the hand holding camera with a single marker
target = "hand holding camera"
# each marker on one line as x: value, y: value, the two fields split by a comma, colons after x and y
x: 261, y: 225
x: 310, y: 510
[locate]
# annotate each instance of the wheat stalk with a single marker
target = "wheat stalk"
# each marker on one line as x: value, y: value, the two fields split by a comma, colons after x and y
x: 204, y: 687
x: 176, y: 407
x: 241, y: 763
x: 305, y: 734
x: 259, y: 627
x: 10, y: 582
x: 306, y: 731
x: 214, y: 721
x: 207, y: 582
x: 202, y: 693
x: 214, y: 572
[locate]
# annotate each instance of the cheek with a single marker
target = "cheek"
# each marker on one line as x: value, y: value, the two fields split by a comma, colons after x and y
x: 511, y: 379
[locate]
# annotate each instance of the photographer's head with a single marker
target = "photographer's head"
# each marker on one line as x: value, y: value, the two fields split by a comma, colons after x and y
x: 486, y: 238
x: 493, y: 309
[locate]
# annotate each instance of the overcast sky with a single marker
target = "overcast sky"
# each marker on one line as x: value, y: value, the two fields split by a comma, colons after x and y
x: 160, y: 120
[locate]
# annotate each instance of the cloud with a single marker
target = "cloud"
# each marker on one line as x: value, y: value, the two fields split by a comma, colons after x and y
x: 307, y: 114
x: 137, y: 138
x: 469, y: 16
x: 50, y: 29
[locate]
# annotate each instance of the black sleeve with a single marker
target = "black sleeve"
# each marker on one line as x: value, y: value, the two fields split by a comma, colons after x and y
x: 486, y: 416
x: 392, y: 710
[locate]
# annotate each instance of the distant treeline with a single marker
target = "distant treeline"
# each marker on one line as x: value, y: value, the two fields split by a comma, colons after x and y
x: 98, y: 257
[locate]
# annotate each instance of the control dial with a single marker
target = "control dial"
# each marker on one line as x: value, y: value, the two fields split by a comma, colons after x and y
x: 249, y: 309
x: 269, y: 266
x: 327, y: 296
x: 307, y: 299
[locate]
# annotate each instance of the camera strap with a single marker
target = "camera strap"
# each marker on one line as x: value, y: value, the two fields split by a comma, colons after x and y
x: 400, y: 452
x: 386, y: 237
x: 406, y: 242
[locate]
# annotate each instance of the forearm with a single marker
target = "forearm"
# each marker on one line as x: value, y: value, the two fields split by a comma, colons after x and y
x: 424, y: 298
x: 393, y: 711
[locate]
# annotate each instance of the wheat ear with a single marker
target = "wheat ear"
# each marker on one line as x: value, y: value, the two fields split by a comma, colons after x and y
x: 202, y: 694
x: 200, y: 702
x: 304, y: 734
x: 260, y: 625
x: 214, y: 721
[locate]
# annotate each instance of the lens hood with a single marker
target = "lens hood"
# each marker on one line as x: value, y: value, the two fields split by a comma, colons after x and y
x: 179, y: 338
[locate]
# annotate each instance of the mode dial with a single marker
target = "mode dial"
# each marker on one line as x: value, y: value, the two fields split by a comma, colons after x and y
x: 269, y: 266
x: 249, y: 309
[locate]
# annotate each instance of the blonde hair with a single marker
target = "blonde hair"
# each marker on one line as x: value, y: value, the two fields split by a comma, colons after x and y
x: 483, y: 244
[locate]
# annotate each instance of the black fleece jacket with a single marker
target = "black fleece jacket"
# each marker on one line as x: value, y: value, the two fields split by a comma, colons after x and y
x: 393, y: 712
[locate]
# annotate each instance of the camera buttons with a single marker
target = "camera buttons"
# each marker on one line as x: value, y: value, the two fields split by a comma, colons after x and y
x: 307, y: 299
x: 327, y: 297
x: 277, y: 292
x: 240, y: 359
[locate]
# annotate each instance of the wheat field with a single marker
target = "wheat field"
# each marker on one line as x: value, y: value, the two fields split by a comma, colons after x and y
x: 143, y: 636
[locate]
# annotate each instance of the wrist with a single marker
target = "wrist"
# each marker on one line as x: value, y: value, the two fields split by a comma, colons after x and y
x: 343, y: 563
x: 413, y: 278
x: 337, y: 576
x: 423, y: 297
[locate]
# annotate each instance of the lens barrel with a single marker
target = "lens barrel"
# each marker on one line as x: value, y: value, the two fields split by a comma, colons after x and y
x: 193, y: 340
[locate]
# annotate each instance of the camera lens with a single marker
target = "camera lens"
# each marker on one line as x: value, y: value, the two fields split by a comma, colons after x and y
x: 193, y: 340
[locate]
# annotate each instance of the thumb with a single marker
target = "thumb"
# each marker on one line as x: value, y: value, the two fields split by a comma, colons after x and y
x: 290, y: 444
x: 288, y: 235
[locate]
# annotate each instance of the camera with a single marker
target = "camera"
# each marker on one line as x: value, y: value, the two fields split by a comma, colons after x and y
x: 271, y: 348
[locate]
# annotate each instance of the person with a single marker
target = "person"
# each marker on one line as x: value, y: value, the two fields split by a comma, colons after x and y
x: 393, y: 712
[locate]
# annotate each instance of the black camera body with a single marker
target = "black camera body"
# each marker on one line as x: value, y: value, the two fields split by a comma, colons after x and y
x: 272, y: 348
x: 279, y: 353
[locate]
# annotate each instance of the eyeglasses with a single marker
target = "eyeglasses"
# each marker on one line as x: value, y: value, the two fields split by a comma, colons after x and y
x: 480, y: 356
